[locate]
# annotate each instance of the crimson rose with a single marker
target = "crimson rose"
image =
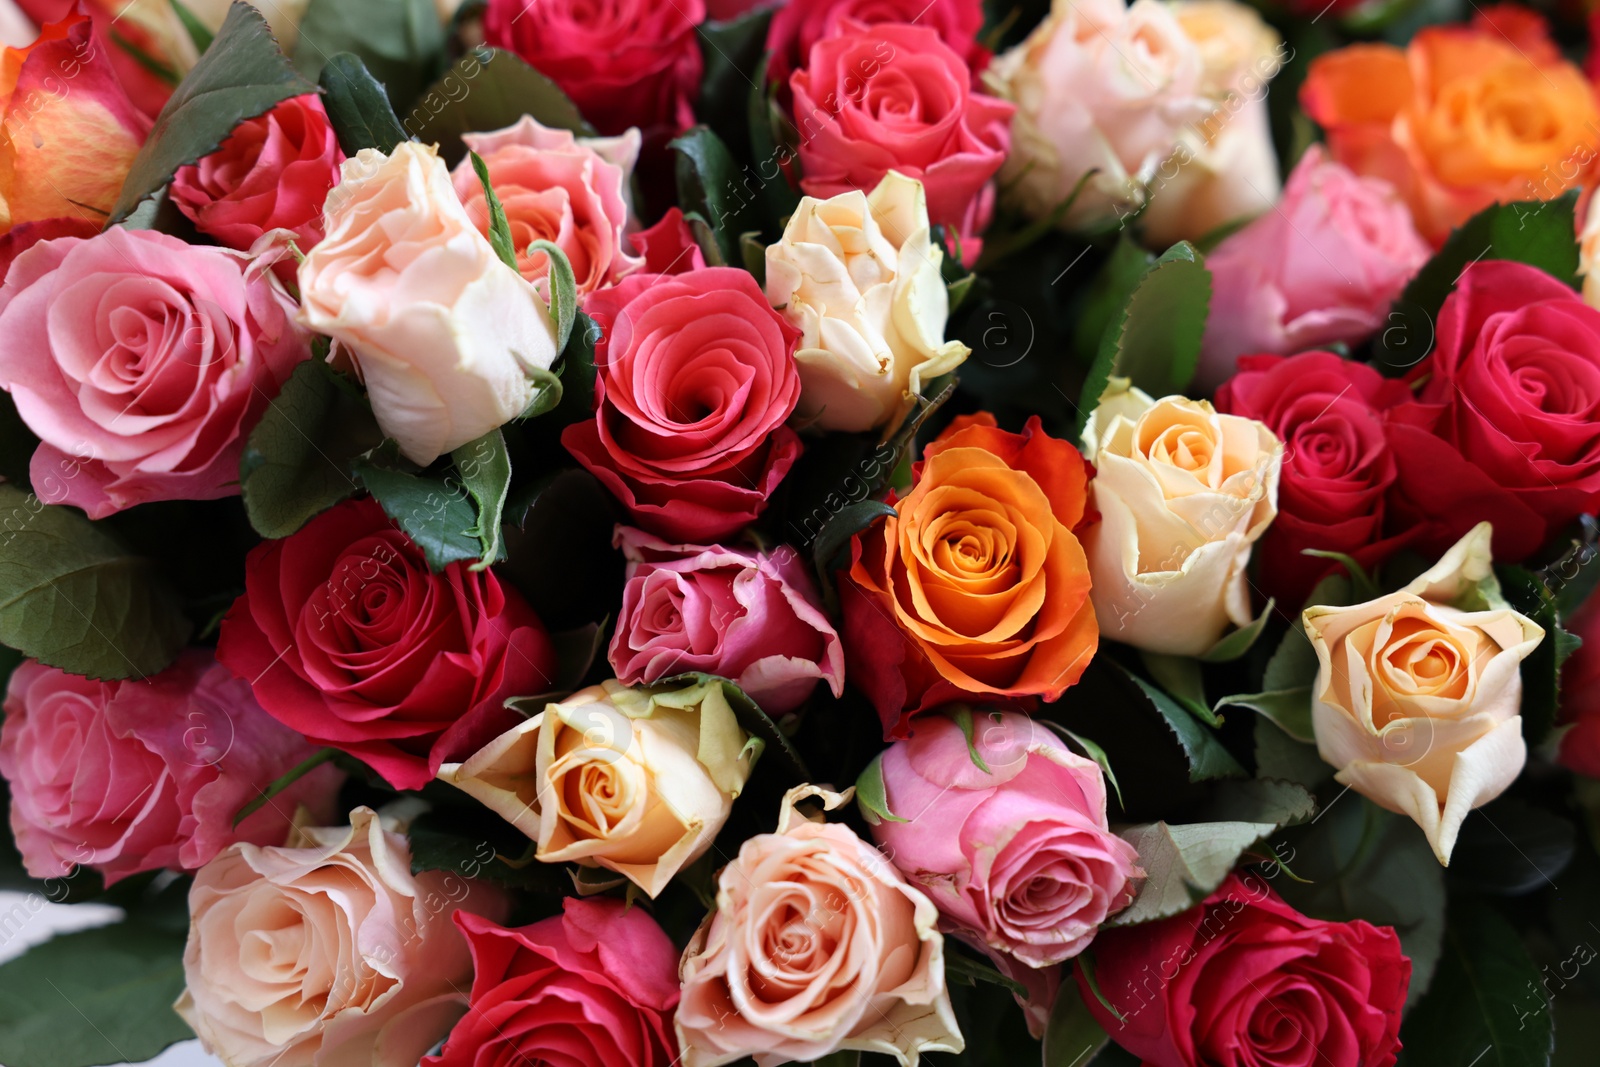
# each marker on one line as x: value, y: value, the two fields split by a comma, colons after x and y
x: 799, y: 24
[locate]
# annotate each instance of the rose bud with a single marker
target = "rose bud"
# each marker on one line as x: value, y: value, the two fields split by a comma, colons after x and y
x: 1418, y: 696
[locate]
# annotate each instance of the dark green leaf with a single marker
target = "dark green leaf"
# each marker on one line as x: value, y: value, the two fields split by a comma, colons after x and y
x: 1096, y: 753
x: 962, y: 968
x: 1279, y: 755
x: 734, y: 52
x: 1511, y: 847
x: 72, y: 596
x: 197, y: 30
x: 1282, y: 803
x: 434, y: 513
x: 1289, y: 708
x: 851, y: 520
x: 772, y: 138
x: 1234, y: 645
x: 488, y: 89
x: 1181, y: 678
x: 357, y: 106
x: 709, y: 184
x: 1072, y: 1036
x: 485, y: 470
x: 481, y: 845
x: 242, y: 75
x: 400, y: 41
x: 1109, y: 292
x: 1207, y: 757
x: 1530, y: 594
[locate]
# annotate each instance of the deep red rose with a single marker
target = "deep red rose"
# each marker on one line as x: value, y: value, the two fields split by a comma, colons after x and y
x: 1580, y: 684
x: 800, y: 24
x: 347, y: 637
x: 1337, y: 467
x: 595, y: 985
x: 1244, y: 980
x: 891, y: 96
x: 274, y: 171
x: 695, y: 375
x: 1506, y: 427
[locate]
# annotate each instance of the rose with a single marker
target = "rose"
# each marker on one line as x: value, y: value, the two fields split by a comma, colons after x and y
x: 1183, y: 493
x: 1507, y: 425
x: 749, y: 616
x: 694, y: 378
x: 127, y: 35
x: 1580, y: 678
x: 669, y: 246
x: 449, y: 338
x: 1322, y: 268
x: 634, y: 781
x: 1098, y: 88
x: 978, y: 583
x: 628, y: 63
x: 329, y: 953
x: 142, y: 363
x: 570, y: 191
x: 893, y: 96
x: 136, y: 776
x: 1418, y: 693
x: 1005, y: 829
x: 593, y: 985
x: 1425, y: 118
x: 859, y: 276
x: 273, y: 172
x: 796, y: 27
x: 347, y: 637
x: 1246, y: 981
x: 1225, y: 169
x: 817, y: 945
x: 1337, y: 465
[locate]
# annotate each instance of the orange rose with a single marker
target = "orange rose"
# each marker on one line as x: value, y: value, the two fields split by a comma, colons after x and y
x: 1460, y: 119
x: 978, y: 585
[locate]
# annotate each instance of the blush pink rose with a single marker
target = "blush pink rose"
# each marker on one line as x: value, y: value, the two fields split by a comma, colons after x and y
x: 1322, y: 268
x: 570, y: 191
x: 800, y: 24
x: 751, y: 617
x: 1017, y: 857
x: 595, y: 985
x: 136, y: 776
x: 893, y: 96
x: 273, y: 172
x: 142, y: 363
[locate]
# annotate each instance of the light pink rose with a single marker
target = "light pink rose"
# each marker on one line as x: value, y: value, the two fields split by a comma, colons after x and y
x: 1017, y: 857
x: 751, y: 617
x: 142, y: 363
x: 1321, y: 268
x: 136, y: 776
x: 570, y: 191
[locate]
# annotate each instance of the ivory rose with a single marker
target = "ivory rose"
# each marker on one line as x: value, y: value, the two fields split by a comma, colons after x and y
x: 329, y: 953
x: 637, y: 781
x: 571, y: 191
x: 448, y: 338
x: 1183, y: 493
x: 816, y: 946
x: 1418, y: 695
x: 859, y: 276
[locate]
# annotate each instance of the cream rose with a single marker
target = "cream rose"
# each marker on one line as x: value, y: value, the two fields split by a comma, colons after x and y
x: 818, y: 945
x: 446, y: 335
x: 1418, y: 695
x: 1183, y: 493
x: 859, y: 276
x: 332, y: 953
x: 638, y: 781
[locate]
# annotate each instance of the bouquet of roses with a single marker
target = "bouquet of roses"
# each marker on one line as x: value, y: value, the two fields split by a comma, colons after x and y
x: 840, y: 531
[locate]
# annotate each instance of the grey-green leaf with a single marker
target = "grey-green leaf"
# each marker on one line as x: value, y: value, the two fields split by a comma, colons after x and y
x: 1184, y: 864
x: 485, y: 470
x: 434, y: 514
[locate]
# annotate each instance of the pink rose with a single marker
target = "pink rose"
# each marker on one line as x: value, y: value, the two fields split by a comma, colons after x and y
x: 142, y: 363
x: 570, y: 191
x: 136, y: 776
x: 751, y: 617
x: 800, y: 24
x: 669, y: 246
x: 1017, y: 857
x: 595, y: 985
x: 1322, y: 268
x: 273, y: 172
x: 893, y: 96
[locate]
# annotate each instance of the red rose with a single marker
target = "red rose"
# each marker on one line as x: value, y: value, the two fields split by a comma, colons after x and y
x: 1244, y: 980
x: 273, y: 172
x: 1337, y: 466
x: 669, y: 246
x: 347, y: 637
x: 896, y: 97
x: 800, y: 24
x: 595, y: 985
x: 1506, y: 427
x: 1580, y: 684
x: 695, y: 375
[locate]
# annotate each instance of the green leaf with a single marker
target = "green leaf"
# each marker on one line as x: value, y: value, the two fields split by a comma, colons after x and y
x: 1289, y: 708
x: 1530, y: 593
x: 357, y: 106
x: 751, y: 717
x: 298, y: 460
x: 499, y: 228
x: 708, y: 184
x: 97, y: 996
x: 435, y: 514
x: 733, y: 50
x: 563, y: 292
x: 1282, y: 803
x: 1207, y: 758
x: 959, y: 967
x: 242, y: 75
x: 870, y: 794
x: 849, y: 521
x: 1109, y: 292
x: 488, y: 89
x: 485, y: 470
x: 1180, y: 677
x: 1072, y: 1037
x: 772, y: 146
x: 547, y: 393
x: 198, y: 32
x: 72, y: 596
x: 401, y: 41
x: 1235, y: 645
x: 1184, y: 864
x: 1094, y: 752
x: 577, y: 374
x: 1279, y: 755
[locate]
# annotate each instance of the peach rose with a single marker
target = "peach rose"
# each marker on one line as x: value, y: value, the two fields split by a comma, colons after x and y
x: 1183, y: 493
x: 332, y: 953
x: 1589, y: 254
x: 570, y: 191
x: 448, y: 338
x: 637, y: 781
x: 817, y: 946
x: 1418, y: 695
